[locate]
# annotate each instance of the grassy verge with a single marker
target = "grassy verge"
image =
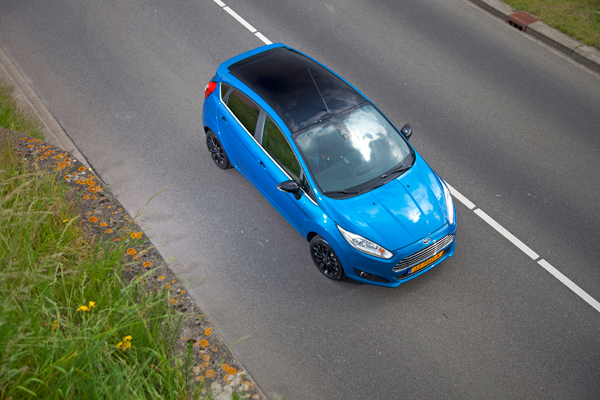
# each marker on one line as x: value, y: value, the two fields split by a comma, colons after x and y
x: 11, y: 118
x: 70, y: 325
x: 579, y: 19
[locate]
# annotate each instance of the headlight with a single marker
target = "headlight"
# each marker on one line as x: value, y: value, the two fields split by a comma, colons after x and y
x: 365, y: 245
x: 449, y: 203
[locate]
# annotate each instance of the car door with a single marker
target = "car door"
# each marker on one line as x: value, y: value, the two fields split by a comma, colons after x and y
x: 237, y: 121
x: 276, y: 163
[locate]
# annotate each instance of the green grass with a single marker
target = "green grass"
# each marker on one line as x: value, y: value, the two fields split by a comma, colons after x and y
x: 579, y: 19
x: 49, y: 347
x: 14, y: 119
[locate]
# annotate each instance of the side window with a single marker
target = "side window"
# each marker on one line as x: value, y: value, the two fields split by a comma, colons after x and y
x: 244, y: 109
x: 306, y: 187
x: 275, y: 144
x: 224, y: 89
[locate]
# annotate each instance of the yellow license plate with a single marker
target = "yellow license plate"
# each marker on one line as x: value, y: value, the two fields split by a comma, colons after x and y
x: 426, y: 262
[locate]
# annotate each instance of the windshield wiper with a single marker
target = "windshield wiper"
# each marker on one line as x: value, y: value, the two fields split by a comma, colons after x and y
x: 371, y: 185
x: 401, y: 168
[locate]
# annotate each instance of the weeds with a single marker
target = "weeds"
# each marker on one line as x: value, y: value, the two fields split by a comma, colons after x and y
x: 69, y: 326
x: 14, y: 119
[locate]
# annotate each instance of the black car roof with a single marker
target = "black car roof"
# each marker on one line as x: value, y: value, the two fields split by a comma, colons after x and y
x: 281, y: 77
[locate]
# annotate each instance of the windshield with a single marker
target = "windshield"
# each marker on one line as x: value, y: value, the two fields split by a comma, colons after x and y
x: 350, y: 150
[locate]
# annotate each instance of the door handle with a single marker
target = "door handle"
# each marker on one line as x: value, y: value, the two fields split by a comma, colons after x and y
x: 224, y: 119
x: 262, y: 164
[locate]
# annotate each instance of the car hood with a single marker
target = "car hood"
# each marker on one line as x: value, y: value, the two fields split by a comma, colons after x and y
x: 396, y: 214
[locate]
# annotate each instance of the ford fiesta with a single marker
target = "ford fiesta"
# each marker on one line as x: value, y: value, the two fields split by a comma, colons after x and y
x: 332, y: 164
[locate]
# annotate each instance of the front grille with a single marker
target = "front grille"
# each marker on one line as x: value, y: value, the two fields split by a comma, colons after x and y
x: 424, y: 254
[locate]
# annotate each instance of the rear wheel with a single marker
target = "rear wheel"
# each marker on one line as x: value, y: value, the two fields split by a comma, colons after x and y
x: 325, y: 259
x: 217, y: 153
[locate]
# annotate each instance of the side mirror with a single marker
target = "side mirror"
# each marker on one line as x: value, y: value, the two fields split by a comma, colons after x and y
x: 406, y: 131
x: 290, y: 187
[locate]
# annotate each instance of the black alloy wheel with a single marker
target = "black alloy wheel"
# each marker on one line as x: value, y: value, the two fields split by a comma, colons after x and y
x: 325, y: 258
x: 217, y: 153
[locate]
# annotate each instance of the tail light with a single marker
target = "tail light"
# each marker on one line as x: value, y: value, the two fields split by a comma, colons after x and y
x: 210, y: 87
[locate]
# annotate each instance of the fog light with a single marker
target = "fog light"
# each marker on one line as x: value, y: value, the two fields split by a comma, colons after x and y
x: 371, y: 277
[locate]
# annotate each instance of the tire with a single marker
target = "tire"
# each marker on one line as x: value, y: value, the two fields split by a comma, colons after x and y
x: 325, y: 259
x: 216, y: 151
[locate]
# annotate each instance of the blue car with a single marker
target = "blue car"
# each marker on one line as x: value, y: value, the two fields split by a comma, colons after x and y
x: 332, y: 164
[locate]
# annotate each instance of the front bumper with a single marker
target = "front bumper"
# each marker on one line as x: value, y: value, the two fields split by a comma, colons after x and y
x: 403, y: 266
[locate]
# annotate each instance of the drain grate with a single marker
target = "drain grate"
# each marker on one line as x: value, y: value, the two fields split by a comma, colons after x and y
x: 521, y: 20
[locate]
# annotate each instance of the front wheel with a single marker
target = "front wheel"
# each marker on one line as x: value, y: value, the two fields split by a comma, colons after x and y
x: 217, y: 153
x: 325, y: 259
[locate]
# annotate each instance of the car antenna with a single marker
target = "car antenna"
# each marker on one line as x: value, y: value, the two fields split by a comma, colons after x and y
x: 311, y: 75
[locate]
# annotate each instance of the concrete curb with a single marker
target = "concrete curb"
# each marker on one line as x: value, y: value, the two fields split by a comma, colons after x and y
x: 29, y: 101
x: 587, y: 56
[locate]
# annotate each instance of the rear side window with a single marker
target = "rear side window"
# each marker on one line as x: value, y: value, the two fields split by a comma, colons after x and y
x: 275, y: 144
x: 244, y: 109
x: 224, y: 89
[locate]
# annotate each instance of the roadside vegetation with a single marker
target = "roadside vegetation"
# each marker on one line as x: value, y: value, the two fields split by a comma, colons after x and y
x: 579, y: 19
x: 70, y: 327
x: 15, y: 120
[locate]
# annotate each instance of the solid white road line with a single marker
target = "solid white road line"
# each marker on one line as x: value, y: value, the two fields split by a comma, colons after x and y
x: 220, y: 3
x: 240, y: 19
x: 512, y: 238
x: 570, y: 284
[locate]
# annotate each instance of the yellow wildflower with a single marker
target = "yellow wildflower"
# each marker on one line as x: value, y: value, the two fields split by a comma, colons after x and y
x: 125, y: 344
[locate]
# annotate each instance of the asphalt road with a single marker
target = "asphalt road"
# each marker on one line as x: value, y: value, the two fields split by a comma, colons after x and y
x: 509, y: 123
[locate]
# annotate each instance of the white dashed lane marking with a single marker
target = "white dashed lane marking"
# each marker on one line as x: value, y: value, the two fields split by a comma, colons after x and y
x: 526, y: 249
x: 466, y: 202
x: 263, y: 38
x: 512, y: 238
x: 570, y: 284
x: 242, y: 21
x: 239, y: 19
x: 460, y: 197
